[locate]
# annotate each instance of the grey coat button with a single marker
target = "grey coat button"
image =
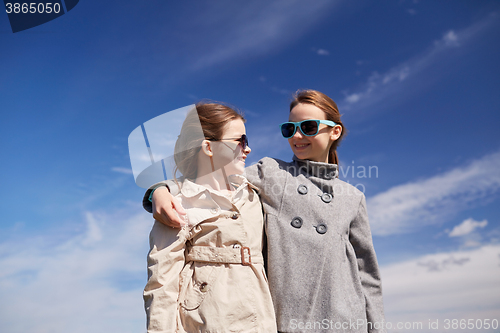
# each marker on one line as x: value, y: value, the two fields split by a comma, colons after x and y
x: 321, y: 228
x: 326, y: 197
x: 302, y: 189
x: 204, y: 287
x: 234, y: 216
x: 296, y: 222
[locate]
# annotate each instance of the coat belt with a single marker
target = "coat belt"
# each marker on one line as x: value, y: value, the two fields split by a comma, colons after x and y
x: 224, y: 255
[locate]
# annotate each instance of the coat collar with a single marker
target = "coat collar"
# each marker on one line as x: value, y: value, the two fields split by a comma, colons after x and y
x: 317, y: 169
x: 190, y: 189
x: 202, y: 203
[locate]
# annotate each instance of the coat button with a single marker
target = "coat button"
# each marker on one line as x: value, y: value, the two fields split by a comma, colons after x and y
x: 236, y: 246
x: 296, y: 222
x: 302, y: 189
x: 213, y: 210
x: 329, y: 175
x: 204, y: 287
x: 321, y: 228
x: 234, y: 216
x: 326, y: 197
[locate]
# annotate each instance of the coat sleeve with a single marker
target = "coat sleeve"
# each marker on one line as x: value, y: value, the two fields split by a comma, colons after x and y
x: 361, y: 239
x: 264, y: 173
x: 253, y: 174
x: 166, y: 260
x: 172, y: 186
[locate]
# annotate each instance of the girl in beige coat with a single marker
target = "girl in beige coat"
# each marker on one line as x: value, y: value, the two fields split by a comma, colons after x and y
x: 209, y: 275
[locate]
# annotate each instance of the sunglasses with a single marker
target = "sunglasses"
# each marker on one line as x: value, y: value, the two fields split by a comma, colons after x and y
x: 243, y: 141
x: 309, y: 127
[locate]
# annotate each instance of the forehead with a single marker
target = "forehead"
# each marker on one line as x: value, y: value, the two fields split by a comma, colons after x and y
x: 234, y: 128
x: 306, y: 111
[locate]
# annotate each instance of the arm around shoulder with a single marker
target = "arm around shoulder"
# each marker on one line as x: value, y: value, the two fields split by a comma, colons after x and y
x: 147, y: 199
x: 164, y: 206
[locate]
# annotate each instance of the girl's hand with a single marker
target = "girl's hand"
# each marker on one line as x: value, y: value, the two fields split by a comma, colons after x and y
x: 167, y: 209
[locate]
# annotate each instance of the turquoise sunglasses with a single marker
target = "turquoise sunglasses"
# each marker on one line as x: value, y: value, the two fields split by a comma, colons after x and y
x: 309, y: 127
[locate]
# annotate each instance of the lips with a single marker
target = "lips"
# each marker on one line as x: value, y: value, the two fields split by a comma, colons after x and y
x: 301, y: 146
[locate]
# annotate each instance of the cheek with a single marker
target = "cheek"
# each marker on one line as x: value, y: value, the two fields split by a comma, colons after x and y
x: 238, y: 151
x: 316, y: 143
x: 224, y: 155
x: 324, y: 142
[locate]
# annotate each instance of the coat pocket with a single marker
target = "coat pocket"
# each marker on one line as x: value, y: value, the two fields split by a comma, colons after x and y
x: 202, y: 281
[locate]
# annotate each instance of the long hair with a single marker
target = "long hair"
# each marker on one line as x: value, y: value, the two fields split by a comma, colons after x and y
x: 329, y: 107
x: 213, y: 117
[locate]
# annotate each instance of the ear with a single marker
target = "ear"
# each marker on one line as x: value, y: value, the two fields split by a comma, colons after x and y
x: 336, y: 132
x: 206, y: 148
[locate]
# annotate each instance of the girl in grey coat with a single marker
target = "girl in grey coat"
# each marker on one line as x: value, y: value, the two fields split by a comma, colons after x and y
x: 321, y: 264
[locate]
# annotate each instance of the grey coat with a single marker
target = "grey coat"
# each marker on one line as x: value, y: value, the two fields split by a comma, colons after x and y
x: 322, y: 268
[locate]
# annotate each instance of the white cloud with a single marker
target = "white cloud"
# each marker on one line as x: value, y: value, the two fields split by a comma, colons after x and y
x: 379, y: 87
x: 323, y: 52
x: 466, y: 227
x: 94, y: 233
x: 353, y: 98
x: 92, y: 282
x: 454, y: 285
x: 413, y: 205
x: 126, y: 171
x: 471, y: 243
x: 450, y: 39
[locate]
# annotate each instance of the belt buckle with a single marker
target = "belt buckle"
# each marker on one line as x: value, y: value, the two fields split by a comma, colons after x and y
x: 243, y: 261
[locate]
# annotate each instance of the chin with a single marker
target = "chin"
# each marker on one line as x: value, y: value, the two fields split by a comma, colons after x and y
x: 235, y: 171
x: 301, y: 155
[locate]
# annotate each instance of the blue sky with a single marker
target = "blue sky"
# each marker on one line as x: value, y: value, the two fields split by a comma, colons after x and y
x: 417, y: 84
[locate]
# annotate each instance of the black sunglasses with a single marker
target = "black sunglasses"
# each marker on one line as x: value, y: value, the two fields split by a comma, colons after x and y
x: 243, y: 141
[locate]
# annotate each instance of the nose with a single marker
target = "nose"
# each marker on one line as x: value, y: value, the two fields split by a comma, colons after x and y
x: 298, y: 134
x: 247, y: 150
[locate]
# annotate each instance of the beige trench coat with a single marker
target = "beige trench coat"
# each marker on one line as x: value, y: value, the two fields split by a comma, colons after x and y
x: 209, y: 277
